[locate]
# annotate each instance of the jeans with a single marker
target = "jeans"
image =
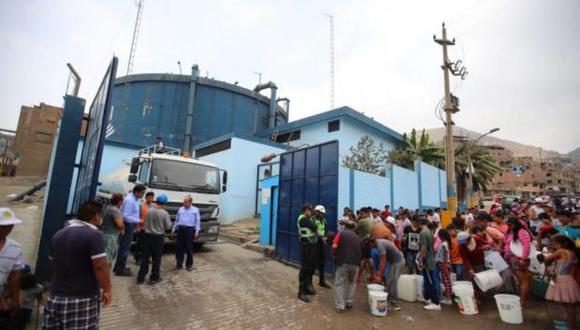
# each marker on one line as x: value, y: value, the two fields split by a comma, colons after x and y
x: 376, y: 258
x: 410, y: 261
x: 152, y: 248
x: 393, y: 280
x: 431, y: 284
x: 125, y: 241
x: 184, y: 246
x: 307, y: 265
x: 344, y: 285
x: 459, y: 270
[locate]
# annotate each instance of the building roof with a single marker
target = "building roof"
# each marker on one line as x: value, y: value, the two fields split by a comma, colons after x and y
x: 239, y: 136
x: 335, y: 114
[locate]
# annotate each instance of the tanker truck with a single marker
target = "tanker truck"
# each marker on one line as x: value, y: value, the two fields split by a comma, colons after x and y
x: 164, y: 170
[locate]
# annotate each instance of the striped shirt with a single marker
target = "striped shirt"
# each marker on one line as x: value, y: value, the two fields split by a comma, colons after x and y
x: 10, y: 259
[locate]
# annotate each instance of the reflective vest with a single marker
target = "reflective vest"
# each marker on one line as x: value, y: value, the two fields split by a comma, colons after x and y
x: 321, y: 224
x: 306, y: 233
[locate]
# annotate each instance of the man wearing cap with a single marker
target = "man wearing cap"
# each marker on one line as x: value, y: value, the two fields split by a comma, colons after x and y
x: 308, y: 242
x: 81, y: 271
x: 157, y: 222
x: 567, y: 226
x: 10, y: 261
x: 322, y: 232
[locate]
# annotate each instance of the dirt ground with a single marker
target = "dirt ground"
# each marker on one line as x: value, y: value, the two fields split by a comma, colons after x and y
x: 30, y: 212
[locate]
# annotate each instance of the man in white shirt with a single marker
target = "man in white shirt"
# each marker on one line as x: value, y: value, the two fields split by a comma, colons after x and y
x: 10, y: 261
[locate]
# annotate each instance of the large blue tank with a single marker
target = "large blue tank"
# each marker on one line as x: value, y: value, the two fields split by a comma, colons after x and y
x: 146, y: 106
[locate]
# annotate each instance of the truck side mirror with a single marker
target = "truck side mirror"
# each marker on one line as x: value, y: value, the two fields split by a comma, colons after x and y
x: 133, y: 178
x: 225, y: 181
x: 134, y: 166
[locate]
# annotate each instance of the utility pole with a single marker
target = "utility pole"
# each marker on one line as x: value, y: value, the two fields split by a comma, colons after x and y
x: 449, y: 110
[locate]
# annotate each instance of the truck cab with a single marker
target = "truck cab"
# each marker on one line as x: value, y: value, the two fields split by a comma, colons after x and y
x: 165, y: 171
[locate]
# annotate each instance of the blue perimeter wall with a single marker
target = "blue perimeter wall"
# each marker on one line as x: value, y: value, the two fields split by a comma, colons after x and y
x: 422, y: 188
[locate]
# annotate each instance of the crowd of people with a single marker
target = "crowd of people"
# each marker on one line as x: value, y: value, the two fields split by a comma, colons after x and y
x: 387, y: 244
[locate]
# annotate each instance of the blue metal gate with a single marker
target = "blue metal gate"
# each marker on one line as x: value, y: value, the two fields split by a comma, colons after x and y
x: 307, y: 176
x: 90, y: 165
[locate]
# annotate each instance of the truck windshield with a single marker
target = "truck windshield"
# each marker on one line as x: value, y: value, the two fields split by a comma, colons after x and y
x: 176, y: 175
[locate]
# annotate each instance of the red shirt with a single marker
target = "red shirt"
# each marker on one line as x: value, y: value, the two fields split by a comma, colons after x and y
x: 385, y: 214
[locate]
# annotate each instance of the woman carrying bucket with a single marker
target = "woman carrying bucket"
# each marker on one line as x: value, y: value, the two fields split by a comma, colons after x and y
x: 520, y: 263
x: 564, y: 290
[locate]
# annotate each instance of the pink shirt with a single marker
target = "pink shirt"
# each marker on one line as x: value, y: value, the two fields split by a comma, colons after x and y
x: 525, y: 239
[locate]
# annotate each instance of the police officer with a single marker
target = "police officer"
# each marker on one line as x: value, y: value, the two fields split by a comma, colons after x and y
x: 321, y: 226
x: 308, y: 246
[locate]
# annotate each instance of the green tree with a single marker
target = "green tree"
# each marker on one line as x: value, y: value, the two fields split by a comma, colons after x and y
x: 421, y: 148
x: 366, y: 156
x: 484, y: 167
x: 417, y: 148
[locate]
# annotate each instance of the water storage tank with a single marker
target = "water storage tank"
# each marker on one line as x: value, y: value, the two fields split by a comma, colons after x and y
x: 146, y: 106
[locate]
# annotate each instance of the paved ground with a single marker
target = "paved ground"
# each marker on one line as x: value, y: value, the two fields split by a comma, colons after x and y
x: 233, y: 288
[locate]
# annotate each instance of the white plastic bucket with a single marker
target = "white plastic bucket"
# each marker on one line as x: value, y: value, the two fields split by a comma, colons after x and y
x: 462, y: 283
x: 510, y: 310
x: 465, y: 297
x: 375, y: 287
x: 408, y: 287
x: 494, y: 260
x: 488, y: 279
x: 378, y: 303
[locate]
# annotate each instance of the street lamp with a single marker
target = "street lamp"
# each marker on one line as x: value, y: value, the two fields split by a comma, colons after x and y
x: 470, y: 165
x: 179, y: 64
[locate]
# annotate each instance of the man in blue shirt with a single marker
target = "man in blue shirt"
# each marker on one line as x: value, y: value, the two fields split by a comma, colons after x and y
x: 131, y: 217
x: 187, y: 221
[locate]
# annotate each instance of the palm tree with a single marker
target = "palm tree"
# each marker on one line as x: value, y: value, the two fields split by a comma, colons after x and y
x: 484, y: 167
x: 417, y: 149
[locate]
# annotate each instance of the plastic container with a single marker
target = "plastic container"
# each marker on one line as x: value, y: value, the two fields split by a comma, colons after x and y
x: 510, y: 310
x: 378, y: 303
x: 465, y: 297
x: 494, y: 260
x: 408, y: 288
x: 375, y: 287
x: 540, y: 286
x: 488, y: 279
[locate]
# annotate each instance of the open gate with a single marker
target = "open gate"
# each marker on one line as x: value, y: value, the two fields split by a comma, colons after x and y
x: 62, y: 164
x: 307, y: 176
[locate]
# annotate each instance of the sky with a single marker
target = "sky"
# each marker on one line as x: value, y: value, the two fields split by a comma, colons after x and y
x: 523, y: 56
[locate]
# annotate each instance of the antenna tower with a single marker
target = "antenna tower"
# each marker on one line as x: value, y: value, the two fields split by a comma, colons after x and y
x: 135, y: 37
x: 331, y: 21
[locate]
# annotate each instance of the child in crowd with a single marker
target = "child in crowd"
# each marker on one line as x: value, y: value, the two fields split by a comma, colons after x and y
x: 564, y: 288
x: 442, y: 258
